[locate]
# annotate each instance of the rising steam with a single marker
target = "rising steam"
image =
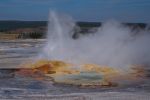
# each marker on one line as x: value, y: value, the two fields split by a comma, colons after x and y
x: 113, y: 44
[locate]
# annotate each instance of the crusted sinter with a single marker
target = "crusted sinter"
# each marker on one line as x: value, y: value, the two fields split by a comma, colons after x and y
x: 83, y: 75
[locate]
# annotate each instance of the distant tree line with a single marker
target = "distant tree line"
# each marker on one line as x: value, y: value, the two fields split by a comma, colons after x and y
x: 9, y: 27
x: 12, y: 25
x: 31, y: 35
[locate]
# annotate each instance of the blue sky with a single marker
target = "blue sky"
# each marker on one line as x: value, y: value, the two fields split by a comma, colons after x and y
x: 81, y: 10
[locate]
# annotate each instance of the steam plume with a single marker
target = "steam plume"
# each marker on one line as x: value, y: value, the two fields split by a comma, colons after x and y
x: 113, y: 44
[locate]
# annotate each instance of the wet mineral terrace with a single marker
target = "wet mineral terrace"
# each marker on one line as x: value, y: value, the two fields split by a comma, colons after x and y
x: 14, y: 53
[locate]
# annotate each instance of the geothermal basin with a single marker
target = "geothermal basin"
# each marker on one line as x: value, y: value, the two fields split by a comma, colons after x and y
x: 113, y: 59
x: 18, y: 81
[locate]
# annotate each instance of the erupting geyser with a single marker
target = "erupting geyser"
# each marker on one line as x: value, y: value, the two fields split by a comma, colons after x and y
x: 60, y: 31
x: 98, y: 58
